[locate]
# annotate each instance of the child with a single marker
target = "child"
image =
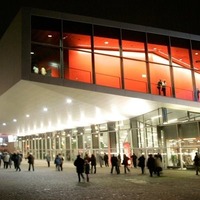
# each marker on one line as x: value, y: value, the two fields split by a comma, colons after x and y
x: 87, y: 169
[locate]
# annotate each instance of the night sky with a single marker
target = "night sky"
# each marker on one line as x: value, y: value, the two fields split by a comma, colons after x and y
x: 175, y: 15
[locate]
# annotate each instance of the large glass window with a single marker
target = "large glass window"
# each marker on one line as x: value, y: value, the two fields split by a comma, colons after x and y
x: 45, y: 38
x: 196, y: 67
x: 158, y: 49
x: 134, y: 67
x: 183, y: 89
x: 106, y: 56
x: 158, y: 58
x: 161, y: 73
x: 180, y: 53
x: 45, y: 60
x: 181, y: 61
x: 77, y: 51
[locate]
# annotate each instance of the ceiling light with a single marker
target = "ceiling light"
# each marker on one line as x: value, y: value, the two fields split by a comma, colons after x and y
x: 196, y: 54
x: 69, y: 101
x: 27, y: 115
x: 45, y: 109
x: 14, y: 120
x: 4, y: 124
x: 144, y: 75
x: 155, y: 117
x: 50, y: 36
x: 106, y: 42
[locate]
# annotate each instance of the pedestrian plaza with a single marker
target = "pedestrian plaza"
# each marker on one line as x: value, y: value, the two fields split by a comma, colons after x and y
x: 45, y: 183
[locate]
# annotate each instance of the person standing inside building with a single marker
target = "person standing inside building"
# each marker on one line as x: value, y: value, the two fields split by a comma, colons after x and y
x: 159, y: 86
x: 141, y: 163
x: 79, y: 163
x: 164, y: 87
x: 197, y: 163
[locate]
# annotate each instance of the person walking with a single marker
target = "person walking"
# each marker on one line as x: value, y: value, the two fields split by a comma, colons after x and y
x: 151, y: 164
x: 141, y: 163
x: 79, y: 163
x: 61, y: 161
x: 196, y: 163
x: 158, y: 165
x: 87, y: 170
x: 31, y: 159
x: 18, y: 162
x: 93, y: 164
x: 125, y: 163
x: 106, y: 160
x: 58, y: 162
x: 48, y: 159
x: 114, y: 163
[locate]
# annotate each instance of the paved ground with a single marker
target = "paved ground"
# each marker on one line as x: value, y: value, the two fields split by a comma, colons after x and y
x: 48, y: 184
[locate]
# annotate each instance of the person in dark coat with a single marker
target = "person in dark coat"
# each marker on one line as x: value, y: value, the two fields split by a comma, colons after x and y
x: 87, y: 170
x: 79, y: 163
x: 141, y: 163
x: 197, y: 163
x: 106, y: 160
x: 30, y: 158
x: 18, y: 162
x: 93, y: 164
x: 58, y: 162
x: 114, y: 163
x: 134, y: 160
x: 151, y: 164
x: 125, y: 163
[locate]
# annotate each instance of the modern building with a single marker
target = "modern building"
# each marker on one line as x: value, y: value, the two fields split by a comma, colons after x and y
x: 105, y: 87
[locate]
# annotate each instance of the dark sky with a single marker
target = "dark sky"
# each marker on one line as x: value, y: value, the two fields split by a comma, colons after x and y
x: 175, y: 15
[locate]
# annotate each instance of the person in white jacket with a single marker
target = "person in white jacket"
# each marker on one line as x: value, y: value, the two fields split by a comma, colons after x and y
x: 6, y: 160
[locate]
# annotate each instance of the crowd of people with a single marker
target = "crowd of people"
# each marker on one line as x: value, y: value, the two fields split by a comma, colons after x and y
x: 88, y: 164
x: 15, y: 159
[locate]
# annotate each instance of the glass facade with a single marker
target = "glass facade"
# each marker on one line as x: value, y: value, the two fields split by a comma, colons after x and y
x: 123, y: 59
x: 115, y: 57
x: 149, y: 133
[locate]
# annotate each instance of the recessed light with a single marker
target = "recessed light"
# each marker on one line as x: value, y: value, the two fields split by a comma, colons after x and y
x: 27, y: 115
x: 69, y: 101
x: 4, y: 124
x: 106, y: 42
x: 14, y: 120
x: 45, y: 109
x: 50, y: 36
